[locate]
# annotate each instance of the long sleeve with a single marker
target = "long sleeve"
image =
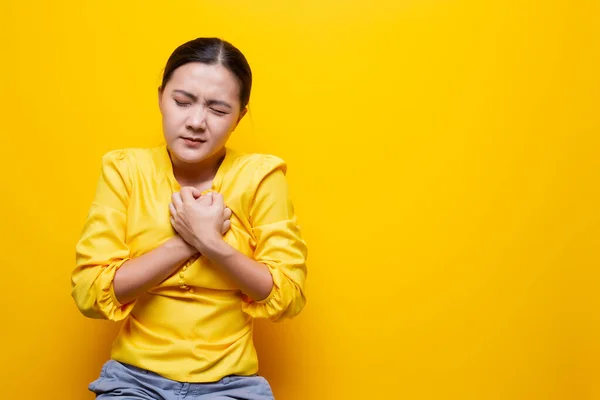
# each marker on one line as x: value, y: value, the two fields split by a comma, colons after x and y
x: 101, y: 249
x: 279, y: 244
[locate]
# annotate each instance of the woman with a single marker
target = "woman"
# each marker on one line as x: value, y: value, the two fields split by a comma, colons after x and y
x: 185, y: 273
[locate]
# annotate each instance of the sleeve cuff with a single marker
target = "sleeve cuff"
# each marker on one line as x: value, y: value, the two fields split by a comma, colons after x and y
x: 267, y: 299
x: 113, y: 296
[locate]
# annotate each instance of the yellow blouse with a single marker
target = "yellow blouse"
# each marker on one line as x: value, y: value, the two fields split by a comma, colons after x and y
x: 196, y: 326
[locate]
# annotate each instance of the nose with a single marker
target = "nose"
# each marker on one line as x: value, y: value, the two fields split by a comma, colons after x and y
x: 197, y: 119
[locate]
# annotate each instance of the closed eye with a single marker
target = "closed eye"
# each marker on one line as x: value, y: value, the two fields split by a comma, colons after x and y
x: 182, y: 103
x: 218, y: 112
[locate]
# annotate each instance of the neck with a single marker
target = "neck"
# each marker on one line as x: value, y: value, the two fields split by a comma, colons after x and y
x: 197, y: 173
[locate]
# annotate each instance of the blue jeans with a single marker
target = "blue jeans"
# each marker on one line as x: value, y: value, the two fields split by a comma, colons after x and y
x: 126, y: 382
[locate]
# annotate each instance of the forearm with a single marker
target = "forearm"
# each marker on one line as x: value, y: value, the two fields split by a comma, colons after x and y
x: 252, y: 277
x: 146, y: 271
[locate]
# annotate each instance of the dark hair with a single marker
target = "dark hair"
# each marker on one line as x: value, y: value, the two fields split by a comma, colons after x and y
x: 212, y: 51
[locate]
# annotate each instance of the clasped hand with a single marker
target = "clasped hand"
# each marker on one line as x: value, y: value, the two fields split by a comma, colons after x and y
x: 200, y: 220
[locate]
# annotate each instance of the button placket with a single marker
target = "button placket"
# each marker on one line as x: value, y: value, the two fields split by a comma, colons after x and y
x: 182, y: 276
x: 182, y: 284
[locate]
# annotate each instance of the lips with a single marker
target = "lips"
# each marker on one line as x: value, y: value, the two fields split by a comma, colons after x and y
x: 195, y: 140
x: 193, y: 143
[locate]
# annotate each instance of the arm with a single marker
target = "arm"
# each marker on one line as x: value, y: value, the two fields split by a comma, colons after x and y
x: 252, y: 277
x: 197, y: 221
x: 273, y: 280
x: 279, y: 246
x: 106, y: 281
x: 138, y: 275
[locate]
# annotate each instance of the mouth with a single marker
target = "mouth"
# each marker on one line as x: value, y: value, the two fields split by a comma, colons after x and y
x: 193, y: 141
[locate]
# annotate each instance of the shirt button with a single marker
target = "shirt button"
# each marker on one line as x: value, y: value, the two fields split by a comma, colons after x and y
x: 181, y: 275
x: 184, y: 287
x: 192, y: 290
x: 185, y: 267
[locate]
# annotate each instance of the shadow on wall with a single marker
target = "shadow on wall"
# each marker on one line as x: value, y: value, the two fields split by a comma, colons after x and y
x: 95, y: 351
x: 273, y: 342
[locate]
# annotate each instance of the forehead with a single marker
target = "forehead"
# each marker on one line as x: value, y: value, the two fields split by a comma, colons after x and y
x: 205, y: 80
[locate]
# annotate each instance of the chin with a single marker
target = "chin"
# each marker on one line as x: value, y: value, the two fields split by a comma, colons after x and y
x: 189, y: 155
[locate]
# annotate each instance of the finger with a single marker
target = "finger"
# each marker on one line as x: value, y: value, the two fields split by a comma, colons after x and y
x: 187, y: 195
x: 172, y: 209
x: 218, y: 200
x: 227, y: 213
x: 226, y: 226
x: 196, y: 193
x: 173, y: 223
x: 207, y: 199
x: 177, y: 202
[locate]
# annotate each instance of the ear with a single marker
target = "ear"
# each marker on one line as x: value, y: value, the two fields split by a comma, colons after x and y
x: 160, y: 94
x: 242, y: 113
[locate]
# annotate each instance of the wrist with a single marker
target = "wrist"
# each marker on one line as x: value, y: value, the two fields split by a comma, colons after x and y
x: 215, y: 249
x: 180, y: 246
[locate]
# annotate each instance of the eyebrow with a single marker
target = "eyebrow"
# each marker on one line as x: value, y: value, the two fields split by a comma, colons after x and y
x: 210, y: 102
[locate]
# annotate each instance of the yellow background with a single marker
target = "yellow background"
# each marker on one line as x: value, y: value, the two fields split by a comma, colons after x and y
x: 443, y: 158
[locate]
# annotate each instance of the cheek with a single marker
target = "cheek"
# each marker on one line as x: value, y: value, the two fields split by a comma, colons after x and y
x: 223, y: 125
x: 172, y: 118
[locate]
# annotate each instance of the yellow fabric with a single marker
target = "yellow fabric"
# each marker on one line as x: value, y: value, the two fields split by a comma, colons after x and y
x: 196, y: 326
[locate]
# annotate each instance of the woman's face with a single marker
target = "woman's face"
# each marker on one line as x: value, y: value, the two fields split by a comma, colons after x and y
x: 200, y: 107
